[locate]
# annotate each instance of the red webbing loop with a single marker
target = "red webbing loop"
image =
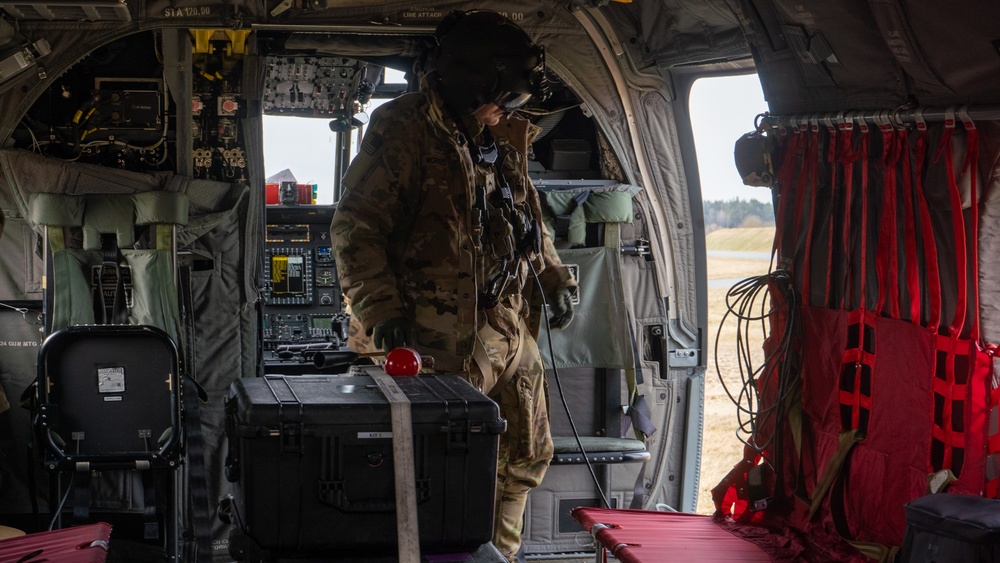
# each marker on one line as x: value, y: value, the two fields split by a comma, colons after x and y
x: 863, y: 298
x: 811, y: 187
x: 888, y: 247
x: 846, y: 156
x: 854, y: 391
x: 832, y: 157
x: 971, y: 165
x: 958, y: 224
x: 927, y: 234
x: 790, y: 159
x: 909, y: 228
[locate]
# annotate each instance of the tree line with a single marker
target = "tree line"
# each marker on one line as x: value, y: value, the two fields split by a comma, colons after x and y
x: 737, y: 213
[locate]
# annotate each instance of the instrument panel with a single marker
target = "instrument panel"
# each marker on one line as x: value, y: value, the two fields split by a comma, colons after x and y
x: 303, y: 309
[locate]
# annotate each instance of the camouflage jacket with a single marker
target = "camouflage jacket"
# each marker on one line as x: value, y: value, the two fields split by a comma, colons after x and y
x: 402, y: 232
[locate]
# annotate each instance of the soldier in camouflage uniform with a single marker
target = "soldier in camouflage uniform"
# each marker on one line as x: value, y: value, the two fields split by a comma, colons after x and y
x: 438, y: 239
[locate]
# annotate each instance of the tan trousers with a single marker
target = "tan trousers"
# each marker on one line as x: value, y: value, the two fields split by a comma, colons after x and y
x: 526, y: 448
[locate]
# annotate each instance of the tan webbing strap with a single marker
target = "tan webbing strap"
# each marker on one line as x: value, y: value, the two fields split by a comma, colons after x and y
x: 508, y: 373
x: 57, y: 239
x: 164, y: 236
x: 407, y: 530
x: 873, y: 550
x: 833, y: 468
x: 482, y: 360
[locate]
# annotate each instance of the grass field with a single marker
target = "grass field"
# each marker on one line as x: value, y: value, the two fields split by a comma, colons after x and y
x: 743, y: 240
x: 720, y: 447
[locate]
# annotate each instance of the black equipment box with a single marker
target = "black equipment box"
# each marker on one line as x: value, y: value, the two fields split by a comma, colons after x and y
x: 312, y: 459
x: 109, y: 397
x: 947, y: 527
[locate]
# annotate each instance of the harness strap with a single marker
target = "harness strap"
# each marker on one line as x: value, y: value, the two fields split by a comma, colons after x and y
x: 110, y: 283
x: 150, y: 525
x: 508, y: 373
x: 873, y: 550
x: 81, y: 497
x: 833, y: 468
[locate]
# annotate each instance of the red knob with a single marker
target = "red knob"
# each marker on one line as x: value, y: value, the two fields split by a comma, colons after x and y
x: 403, y: 361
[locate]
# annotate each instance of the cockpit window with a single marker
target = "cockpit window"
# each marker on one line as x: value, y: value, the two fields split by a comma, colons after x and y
x: 309, y: 141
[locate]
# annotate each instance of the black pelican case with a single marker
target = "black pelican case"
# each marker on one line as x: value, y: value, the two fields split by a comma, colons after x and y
x: 311, y: 458
x: 944, y: 527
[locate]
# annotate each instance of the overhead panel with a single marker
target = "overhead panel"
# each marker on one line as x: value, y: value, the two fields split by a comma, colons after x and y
x: 309, y: 86
x: 94, y: 10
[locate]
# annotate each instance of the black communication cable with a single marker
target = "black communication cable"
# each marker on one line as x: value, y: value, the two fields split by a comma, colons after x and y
x: 460, y: 124
x: 748, y: 302
x: 62, y: 503
x: 562, y: 396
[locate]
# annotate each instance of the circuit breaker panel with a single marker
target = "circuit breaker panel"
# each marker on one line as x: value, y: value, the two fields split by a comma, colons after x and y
x: 303, y: 308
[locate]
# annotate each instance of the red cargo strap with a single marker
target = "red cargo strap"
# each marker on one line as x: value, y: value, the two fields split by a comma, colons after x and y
x: 858, y: 360
x: 957, y: 358
x: 946, y: 389
x: 847, y: 157
x: 888, y: 245
x: 909, y: 229
x: 927, y: 230
x: 790, y: 159
x: 957, y: 221
x: 863, y: 157
x: 971, y: 165
x: 832, y: 156
x: 808, y: 182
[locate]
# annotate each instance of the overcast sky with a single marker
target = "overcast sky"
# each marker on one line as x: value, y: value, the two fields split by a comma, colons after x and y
x: 722, y: 109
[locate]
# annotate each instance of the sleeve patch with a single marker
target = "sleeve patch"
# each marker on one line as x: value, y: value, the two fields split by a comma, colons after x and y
x: 371, y: 143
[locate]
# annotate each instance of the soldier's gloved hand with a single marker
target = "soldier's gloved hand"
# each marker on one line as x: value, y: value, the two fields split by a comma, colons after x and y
x: 561, y: 305
x: 393, y: 333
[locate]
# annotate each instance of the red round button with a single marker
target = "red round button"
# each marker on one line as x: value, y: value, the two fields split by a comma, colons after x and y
x: 403, y: 361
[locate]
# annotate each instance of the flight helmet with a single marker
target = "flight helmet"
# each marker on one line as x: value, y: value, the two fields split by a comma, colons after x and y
x: 482, y: 57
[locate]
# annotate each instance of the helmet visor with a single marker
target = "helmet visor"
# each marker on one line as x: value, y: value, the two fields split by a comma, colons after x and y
x: 509, y: 101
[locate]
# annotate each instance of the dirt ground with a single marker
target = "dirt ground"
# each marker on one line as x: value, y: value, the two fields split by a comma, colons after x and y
x: 720, y: 447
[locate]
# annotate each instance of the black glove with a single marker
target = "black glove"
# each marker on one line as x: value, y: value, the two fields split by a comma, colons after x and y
x: 561, y: 305
x: 393, y: 333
